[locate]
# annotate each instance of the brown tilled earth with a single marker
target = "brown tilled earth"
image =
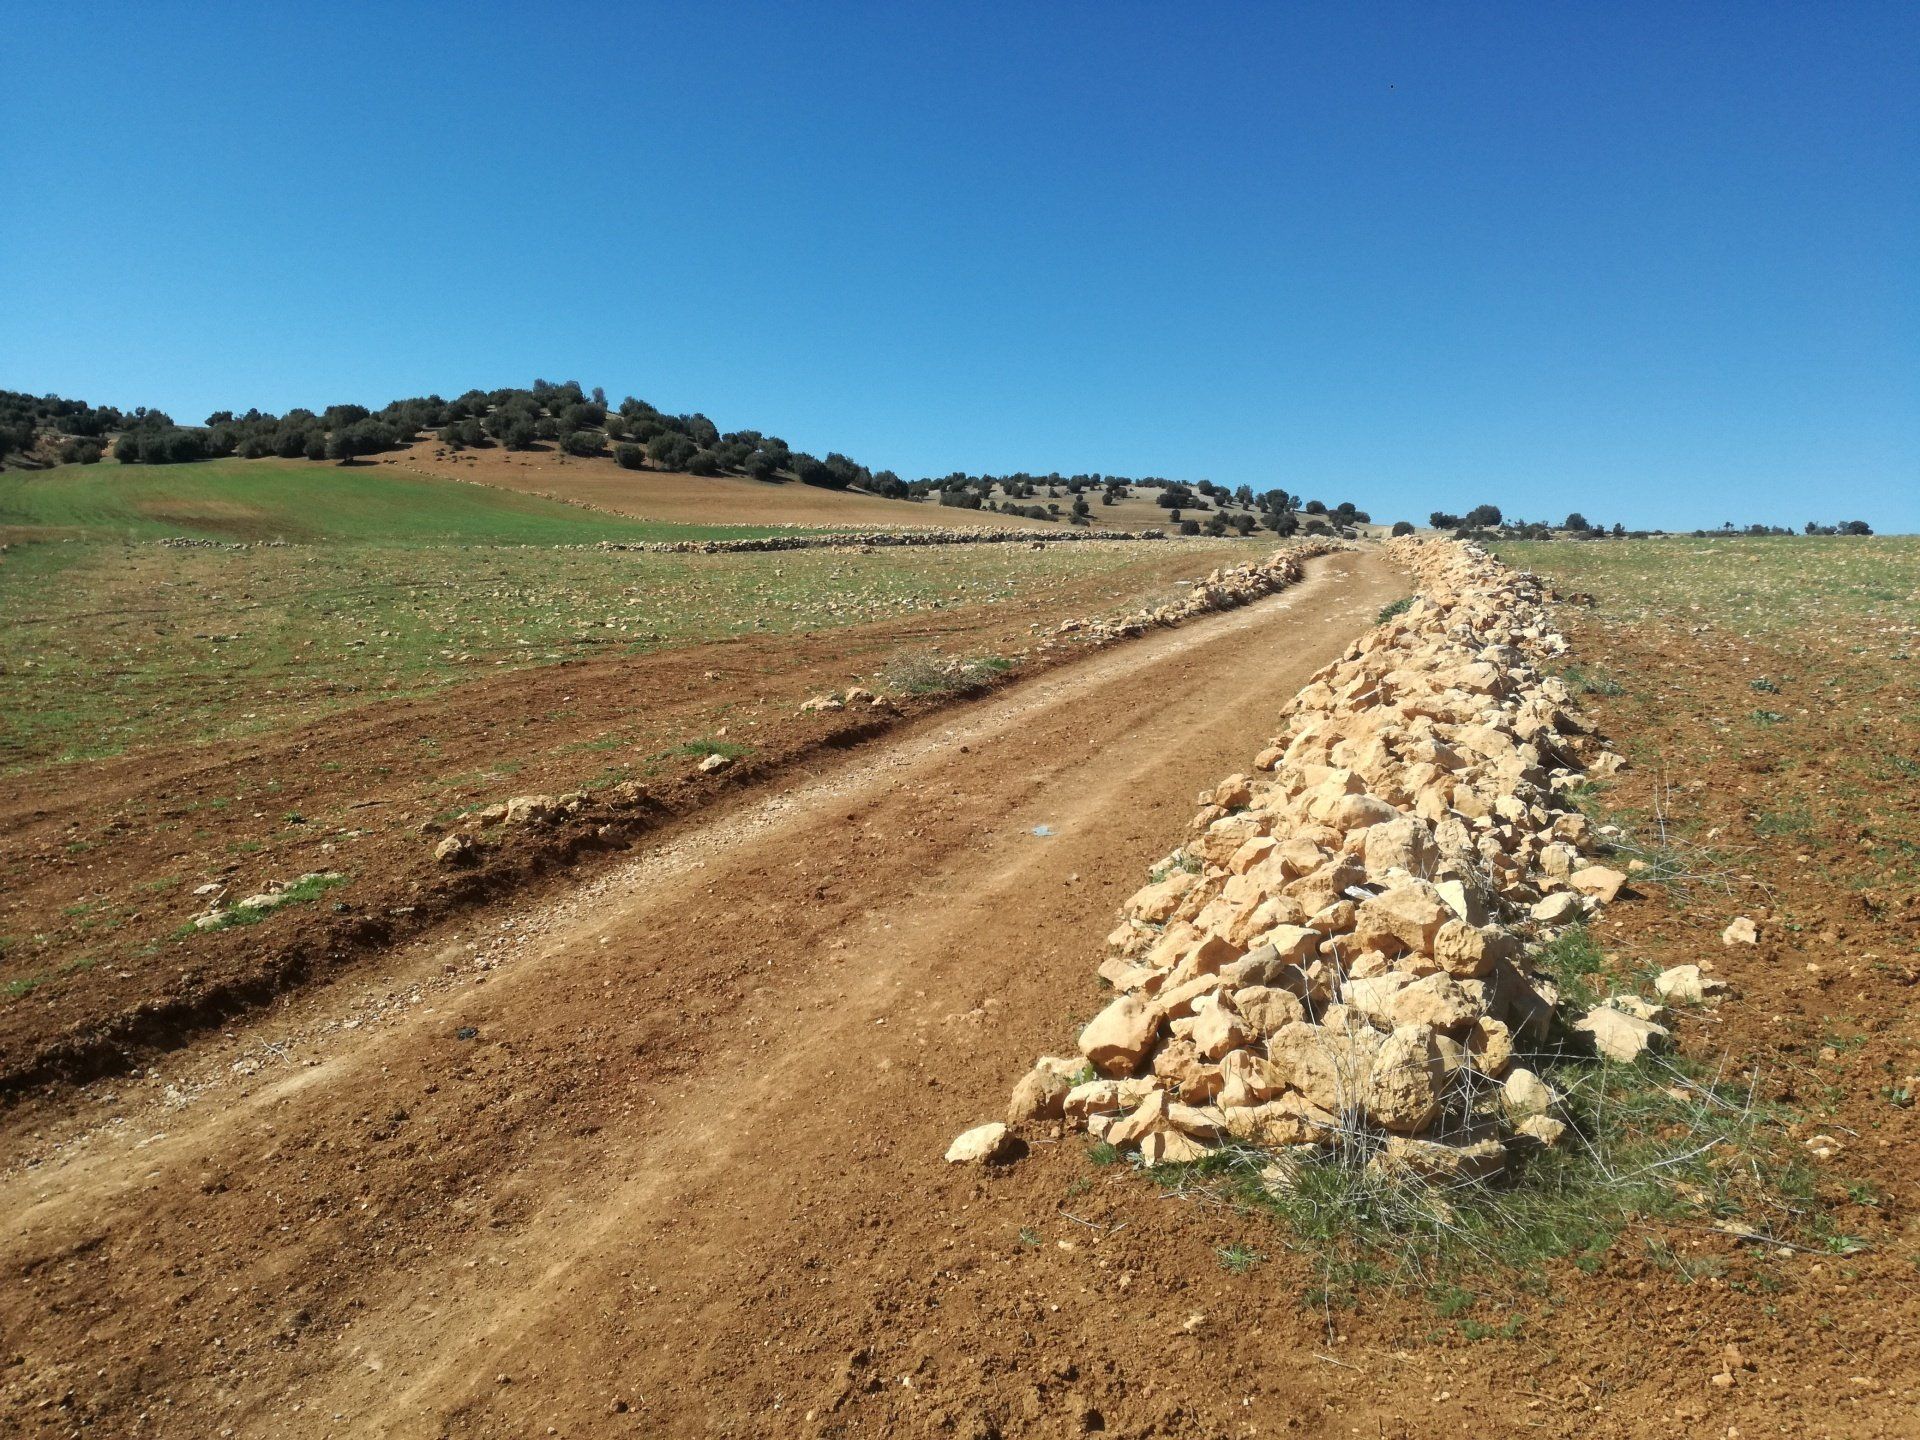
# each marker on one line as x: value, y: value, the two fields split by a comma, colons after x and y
x: 659, y: 1153
x: 670, y: 497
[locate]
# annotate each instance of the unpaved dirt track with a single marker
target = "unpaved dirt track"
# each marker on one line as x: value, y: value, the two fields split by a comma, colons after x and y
x: 664, y: 1158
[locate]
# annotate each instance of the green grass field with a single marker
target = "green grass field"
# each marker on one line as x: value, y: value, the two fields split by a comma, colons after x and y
x: 1755, y: 587
x: 1803, y: 650
x: 394, y: 585
x: 293, y: 500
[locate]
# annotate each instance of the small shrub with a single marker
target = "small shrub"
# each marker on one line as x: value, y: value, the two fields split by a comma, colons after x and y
x: 1398, y: 607
x: 937, y: 675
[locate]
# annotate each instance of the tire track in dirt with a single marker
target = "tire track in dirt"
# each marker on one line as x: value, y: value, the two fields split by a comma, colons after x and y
x: 670, y: 1155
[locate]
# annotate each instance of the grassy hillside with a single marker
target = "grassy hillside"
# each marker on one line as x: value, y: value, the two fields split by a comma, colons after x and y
x: 671, y: 498
x: 301, y: 501
x: 397, y: 585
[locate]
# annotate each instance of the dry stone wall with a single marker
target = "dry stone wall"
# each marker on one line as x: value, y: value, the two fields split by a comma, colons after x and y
x: 1336, y: 957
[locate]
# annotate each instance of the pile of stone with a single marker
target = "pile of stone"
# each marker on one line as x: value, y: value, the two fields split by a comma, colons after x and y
x: 463, y: 844
x: 1338, y: 955
x: 1227, y: 588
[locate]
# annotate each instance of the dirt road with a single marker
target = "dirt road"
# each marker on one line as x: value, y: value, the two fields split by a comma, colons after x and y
x: 664, y: 1157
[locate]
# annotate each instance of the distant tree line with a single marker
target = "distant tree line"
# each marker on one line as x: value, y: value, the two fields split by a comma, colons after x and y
x: 1487, y: 521
x: 1240, y: 509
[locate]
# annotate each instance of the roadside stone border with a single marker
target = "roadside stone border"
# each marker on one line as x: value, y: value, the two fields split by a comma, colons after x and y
x: 1337, y: 955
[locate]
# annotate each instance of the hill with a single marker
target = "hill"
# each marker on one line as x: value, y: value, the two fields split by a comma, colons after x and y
x: 679, y: 498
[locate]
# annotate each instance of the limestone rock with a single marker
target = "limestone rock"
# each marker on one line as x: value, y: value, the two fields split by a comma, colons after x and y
x: 1742, y: 931
x: 983, y: 1145
x: 1598, y: 881
x: 456, y: 849
x: 1687, y: 985
x: 1525, y: 1093
x: 1040, y: 1095
x: 1119, y: 1037
x: 1620, y: 1036
x: 1403, y: 1083
x: 1434, y: 1000
x: 1410, y: 913
x: 1560, y: 908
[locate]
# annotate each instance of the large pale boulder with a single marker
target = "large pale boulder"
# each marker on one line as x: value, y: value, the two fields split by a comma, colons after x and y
x: 1560, y: 908
x: 1104, y: 1097
x: 1436, y: 1000
x: 1490, y: 1044
x: 1404, y: 1081
x: 1687, y: 985
x: 1267, y: 1007
x: 1119, y: 1037
x: 1466, y: 951
x: 1402, y: 844
x: 1327, y: 1065
x: 1525, y: 1093
x: 1409, y: 915
x: 1247, y: 1079
x: 1442, y: 1164
x: 1217, y: 1030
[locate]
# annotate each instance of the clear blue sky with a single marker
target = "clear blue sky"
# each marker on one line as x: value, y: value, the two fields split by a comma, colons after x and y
x: 1658, y: 263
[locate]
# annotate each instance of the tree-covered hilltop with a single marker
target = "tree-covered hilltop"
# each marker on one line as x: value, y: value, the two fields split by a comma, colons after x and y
x: 48, y: 430
x: 53, y: 430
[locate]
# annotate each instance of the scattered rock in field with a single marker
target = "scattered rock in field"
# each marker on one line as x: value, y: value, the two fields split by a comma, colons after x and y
x: 1823, y: 1147
x: 983, y: 1145
x: 1687, y: 985
x: 1741, y: 932
x: 530, y: 809
x: 1620, y: 1036
x: 456, y: 849
x: 822, y: 702
x: 1525, y: 1093
x: 1543, y: 1128
x: 1560, y: 908
x: 715, y: 763
x: 1599, y: 881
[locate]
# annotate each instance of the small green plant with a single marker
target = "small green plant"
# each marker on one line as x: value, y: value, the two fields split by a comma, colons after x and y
x: 1101, y: 1153
x: 1767, y: 717
x: 1574, y: 962
x: 1450, y: 1302
x: 1237, y: 1259
x: 1029, y: 1235
x: 1398, y: 607
x: 1182, y: 861
x: 1763, y: 685
x: 1584, y: 681
x: 308, y: 887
